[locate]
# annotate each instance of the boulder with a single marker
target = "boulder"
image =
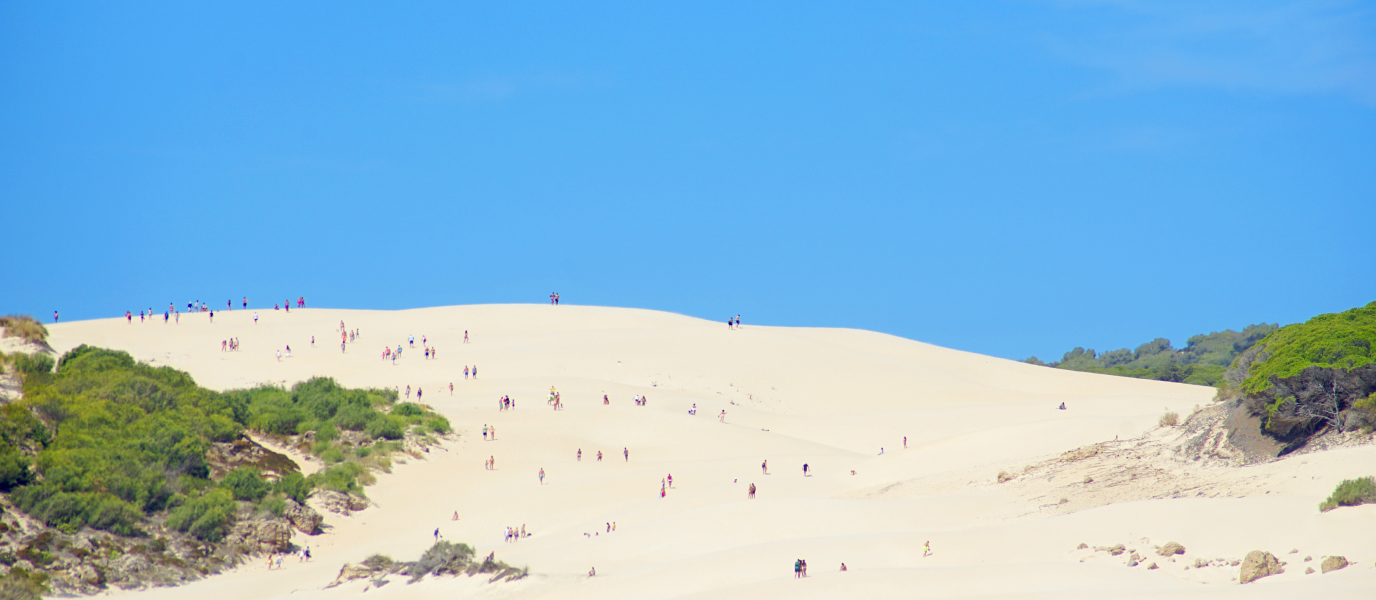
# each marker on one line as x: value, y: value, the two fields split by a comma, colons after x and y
x: 1152, y: 567
x: 1258, y: 564
x: 270, y: 535
x: 1308, y: 570
x: 1171, y: 549
x: 1333, y: 563
x: 303, y: 518
x: 1200, y: 563
x: 1082, y: 546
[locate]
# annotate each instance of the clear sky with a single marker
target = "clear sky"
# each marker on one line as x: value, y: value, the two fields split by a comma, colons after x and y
x: 1011, y: 178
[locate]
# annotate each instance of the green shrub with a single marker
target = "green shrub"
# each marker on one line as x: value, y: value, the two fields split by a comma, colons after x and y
x: 274, y: 505
x: 1351, y: 492
x: 342, y: 477
x: 69, y: 511
x: 245, y: 484
x: 326, y: 432
x: 363, y: 451
x: 355, y: 418
x: 438, y: 425
x: 388, y: 427
x: 29, y: 364
x: 14, y: 468
x: 408, y: 409
x: 207, y: 517
x: 331, y: 456
x: 294, y: 486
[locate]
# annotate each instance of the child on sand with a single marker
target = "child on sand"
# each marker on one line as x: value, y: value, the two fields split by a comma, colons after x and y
x: 542, y: 476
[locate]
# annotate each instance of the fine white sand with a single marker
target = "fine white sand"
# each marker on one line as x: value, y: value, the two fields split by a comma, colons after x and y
x: 825, y: 397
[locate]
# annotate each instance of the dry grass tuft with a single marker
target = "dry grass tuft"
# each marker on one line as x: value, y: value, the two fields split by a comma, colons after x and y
x: 25, y: 327
x: 1170, y: 419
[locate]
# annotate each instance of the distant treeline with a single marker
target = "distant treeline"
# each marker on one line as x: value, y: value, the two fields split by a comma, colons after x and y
x: 1202, y: 361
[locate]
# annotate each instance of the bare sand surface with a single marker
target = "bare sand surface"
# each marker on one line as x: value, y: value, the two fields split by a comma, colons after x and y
x: 827, y: 398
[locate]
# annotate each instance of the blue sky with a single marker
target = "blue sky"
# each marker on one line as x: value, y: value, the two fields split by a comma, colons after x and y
x: 1010, y: 178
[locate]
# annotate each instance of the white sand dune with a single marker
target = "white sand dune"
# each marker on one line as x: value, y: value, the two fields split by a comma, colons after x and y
x: 827, y: 398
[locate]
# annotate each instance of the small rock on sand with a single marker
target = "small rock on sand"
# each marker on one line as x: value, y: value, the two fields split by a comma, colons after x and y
x: 1171, y: 549
x: 1333, y: 563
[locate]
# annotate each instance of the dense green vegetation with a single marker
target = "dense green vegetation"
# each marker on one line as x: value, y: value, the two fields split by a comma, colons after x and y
x: 107, y: 442
x: 1203, y: 361
x: 1334, y: 341
x: 1351, y: 492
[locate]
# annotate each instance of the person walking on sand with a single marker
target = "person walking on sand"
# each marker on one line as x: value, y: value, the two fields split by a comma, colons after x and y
x: 722, y: 416
x: 797, y: 568
x: 279, y: 356
x: 484, y: 432
x: 905, y: 442
x: 599, y: 456
x: 751, y: 495
x: 626, y: 453
x: 580, y: 455
x: 542, y: 476
x: 927, y: 549
x: 804, y: 469
x: 437, y: 534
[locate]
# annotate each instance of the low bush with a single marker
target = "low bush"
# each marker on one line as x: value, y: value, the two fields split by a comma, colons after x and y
x: 1351, y: 492
x: 245, y: 484
x: 207, y: 517
x: 1170, y: 419
x: 408, y: 409
x: 387, y: 428
x: 438, y: 425
x: 29, y: 364
x: 293, y: 486
x: 274, y: 505
x: 331, y: 456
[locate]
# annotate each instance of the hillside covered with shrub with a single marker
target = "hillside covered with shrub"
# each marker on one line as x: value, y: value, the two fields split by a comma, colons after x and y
x: 1310, y: 378
x: 104, y: 443
x: 1202, y: 361
x: 107, y: 442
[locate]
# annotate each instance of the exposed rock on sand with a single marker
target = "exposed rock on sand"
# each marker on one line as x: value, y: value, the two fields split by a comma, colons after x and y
x: 1258, y: 564
x: 1333, y: 563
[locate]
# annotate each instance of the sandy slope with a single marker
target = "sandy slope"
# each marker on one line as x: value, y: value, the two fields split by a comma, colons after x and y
x: 828, y: 398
